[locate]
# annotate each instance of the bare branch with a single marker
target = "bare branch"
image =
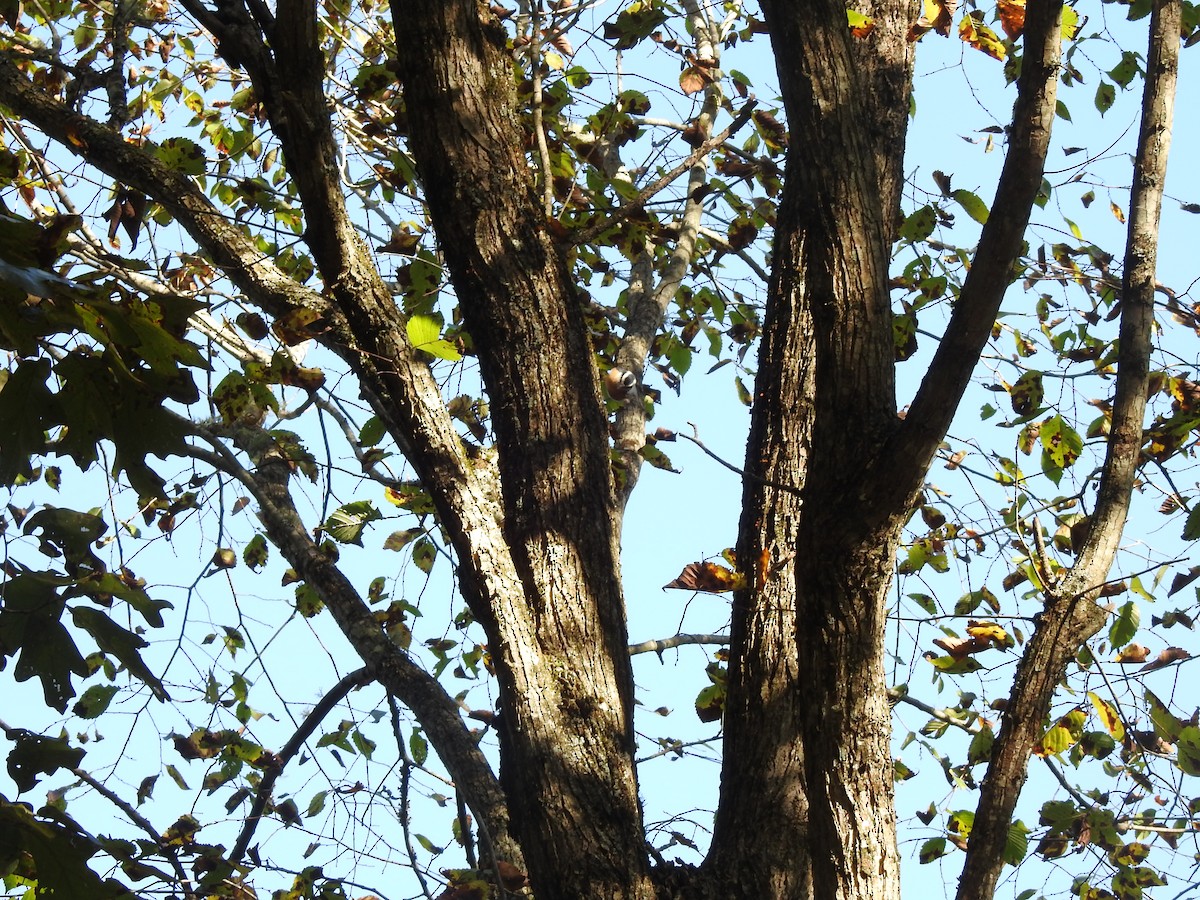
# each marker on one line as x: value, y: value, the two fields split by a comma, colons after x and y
x: 679, y: 640
x: 651, y: 190
x: 395, y: 669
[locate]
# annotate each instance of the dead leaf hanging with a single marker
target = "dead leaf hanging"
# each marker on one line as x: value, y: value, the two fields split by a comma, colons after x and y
x: 126, y: 212
x: 708, y: 577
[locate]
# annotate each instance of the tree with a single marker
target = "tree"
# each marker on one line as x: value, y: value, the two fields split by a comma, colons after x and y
x: 321, y: 121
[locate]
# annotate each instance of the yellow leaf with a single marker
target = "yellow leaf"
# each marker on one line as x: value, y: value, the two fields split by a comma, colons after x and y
x: 1062, y: 735
x: 935, y: 15
x: 554, y: 60
x: 1108, y: 716
x: 981, y: 38
x: 860, y: 25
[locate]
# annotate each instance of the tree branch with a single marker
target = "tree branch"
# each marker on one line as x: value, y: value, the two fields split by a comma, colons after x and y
x: 648, y: 302
x: 655, y: 187
x: 679, y: 640
x: 356, y: 679
x: 906, y: 456
x: 1071, y: 616
x: 395, y: 669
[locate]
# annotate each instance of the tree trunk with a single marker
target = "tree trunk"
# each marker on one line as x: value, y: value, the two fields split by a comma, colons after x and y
x: 557, y: 636
x: 806, y: 801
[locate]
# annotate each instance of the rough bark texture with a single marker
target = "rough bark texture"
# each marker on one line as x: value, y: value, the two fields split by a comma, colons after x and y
x: 559, y: 640
x: 806, y: 752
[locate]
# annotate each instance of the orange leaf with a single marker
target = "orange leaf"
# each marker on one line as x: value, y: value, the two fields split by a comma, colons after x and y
x: 1012, y: 17
x: 860, y: 25
x: 693, y: 79
x: 708, y: 577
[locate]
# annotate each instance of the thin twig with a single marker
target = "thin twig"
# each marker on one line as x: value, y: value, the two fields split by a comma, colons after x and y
x: 406, y: 767
x: 141, y: 822
x: 539, y: 130
x: 791, y: 489
x: 637, y: 203
x: 356, y: 679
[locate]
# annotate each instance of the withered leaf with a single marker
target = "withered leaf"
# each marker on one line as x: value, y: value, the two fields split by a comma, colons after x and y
x: 708, y: 577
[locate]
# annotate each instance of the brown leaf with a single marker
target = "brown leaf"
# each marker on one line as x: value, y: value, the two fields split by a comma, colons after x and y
x: 1133, y: 653
x: 1165, y: 658
x: 126, y: 212
x: 1012, y: 17
x: 693, y: 79
x: 708, y: 577
x: 512, y: 878
x: 1183, y: 579
x: 961, y: 648
x: 936, y: 15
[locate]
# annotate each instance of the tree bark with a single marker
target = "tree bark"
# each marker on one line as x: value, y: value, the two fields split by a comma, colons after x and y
x: 559, y: 641
x: 806, y: 799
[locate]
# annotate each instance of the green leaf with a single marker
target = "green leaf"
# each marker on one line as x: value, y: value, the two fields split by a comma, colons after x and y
x: 743, y: 393
x: 932, y: 849
x: 425, y: 333
x: 1125, y: 625
x: 1017, y: 844
x: 656, y: 458
x: 183, y: 155
x: 1061, y: 444
x: 1188, y: 745
x: 972, y: 204
x: 316, y: 804
x: 30, y: 624
x: 424, y: 554
x: 1106, y: 95
x: 418, y: 747
x: 346, y: 523
x: 919, y: 225
x: 1126, y: 70
x: 94, y: 700
x: 362, y: 743
x: 372, y: 432
x: 256, y: 552
x: 1026, y: 394
x: 27, y: 410
x: 308, y: 601
x: 398, y: 540
x: 1191, y: 528
x: 58, y: 853
x: 980, y: 749
x: 35, y: 754
x: 429, y: 845
x: 124, y: 645
x: 1166, y: 724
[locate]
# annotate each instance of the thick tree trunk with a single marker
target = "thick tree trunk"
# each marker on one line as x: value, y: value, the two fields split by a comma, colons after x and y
x: 558, y: 639
x: 806, y: 801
